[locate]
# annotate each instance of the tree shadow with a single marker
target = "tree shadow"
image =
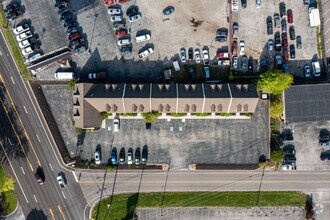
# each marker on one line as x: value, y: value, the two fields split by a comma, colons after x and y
x: 36, y: 214
x: 131, y: 206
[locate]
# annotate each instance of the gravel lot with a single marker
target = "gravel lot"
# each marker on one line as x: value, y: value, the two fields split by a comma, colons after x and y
x: 253, y: 30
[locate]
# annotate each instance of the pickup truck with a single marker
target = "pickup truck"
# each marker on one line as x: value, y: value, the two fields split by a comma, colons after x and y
x: 98, y: 76
x: 145, y: 53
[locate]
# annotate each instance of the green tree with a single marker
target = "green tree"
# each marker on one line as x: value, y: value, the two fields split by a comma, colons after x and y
x: 72, y: 83
x: 103, y: 115
x: 150, y: 117
x: 274, y: 82
x: 6, y: 184
x: 276, y: 107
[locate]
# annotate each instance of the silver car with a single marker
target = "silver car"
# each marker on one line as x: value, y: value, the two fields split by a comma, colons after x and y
x: 116, y: 125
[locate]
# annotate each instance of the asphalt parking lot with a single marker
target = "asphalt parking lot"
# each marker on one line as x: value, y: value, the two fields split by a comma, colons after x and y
x: 177, y: 142
x: 253, y: 30
x: 308, y: 149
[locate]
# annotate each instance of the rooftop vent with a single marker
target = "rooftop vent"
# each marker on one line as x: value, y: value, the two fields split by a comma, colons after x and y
x: 134, y: 87
x: 160, y: 87
x: 246, y: 87
x: 114, y: 87
x: 107, y: 87
x: 219, y: 87
x: 239, y: 87
x: 186, y: 87
x: 141, y: 87
x: 212, y: 87
x: 193, y: 87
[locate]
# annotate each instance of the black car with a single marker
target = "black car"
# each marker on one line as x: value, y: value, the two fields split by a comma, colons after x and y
x: 11, y: 8
x: 292, y: 52
x: 63, y: 9
x: 14, y: 15
x: 244, y: 62
x: 191, y: 53
x: 292, y: 33
x: 137, y: 156
x: 80, y: 41
x: 290, y: 154
x: 144, y: 155
x: 220, y: 39
x: 269, y: 26
x: 65, y: 16
x: 299, y: 43
x: 282, y: 9
x: 324, y: 138
x: 250, y: 65
x: 325, y: 155
x: 278, y: 44
x: 235, y: 28
x: 69, y: 23
x: 168, y: 10
x: 243, y: 3
x: 59, y: 3
x: 191, y: 72
x: 283, y: 25
x: 126, y: 49
x: 122, y: 156
x: 222, y: 32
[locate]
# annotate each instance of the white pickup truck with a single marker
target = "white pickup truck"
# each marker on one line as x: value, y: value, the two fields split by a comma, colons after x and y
x: 145, y: 53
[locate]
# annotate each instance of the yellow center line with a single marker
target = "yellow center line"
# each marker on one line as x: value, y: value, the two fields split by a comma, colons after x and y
x: 51, y: 212
x: 18, y: 138
x: 209, y: 181
x: 59, y: 208
x: 14, y: 107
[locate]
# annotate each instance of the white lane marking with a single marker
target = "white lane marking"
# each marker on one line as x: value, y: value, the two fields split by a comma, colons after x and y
x: 74, y: 175
x: 11, y: 144
x: 11, y: 166
x: 0, y: 53
x: 25, y: 109
x: 35, y: 198
x: 51, y: 167
x: 63, y: 195
x: 38, y: 137
x: 23, y: 170
x: 12, y: 79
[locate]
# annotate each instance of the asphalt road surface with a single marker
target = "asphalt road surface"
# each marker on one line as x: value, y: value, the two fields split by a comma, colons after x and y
x: 47, y: 201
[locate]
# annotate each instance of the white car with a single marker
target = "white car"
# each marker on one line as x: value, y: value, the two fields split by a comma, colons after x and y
x: 122, y: 42
x: 97, y: 157
x: 258, y: 3
x: 27, y: 51
x: 183, y: 55
x: 130, y: 156
x: 234, y: 5
x: 23, y: 44
x: 114, y: 11
x: 21, y: 29
x: 242, y: 47
x: 60, y: 180
x: 206, y: 57
x: 145, y: 53
x: 24, y: 36
x: 116, y: 18
x: 197, y: 56
x: 116, y: 125
x: 134, y: 17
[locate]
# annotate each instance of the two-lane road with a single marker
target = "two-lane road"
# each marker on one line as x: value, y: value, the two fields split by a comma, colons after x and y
x: 49, y: 199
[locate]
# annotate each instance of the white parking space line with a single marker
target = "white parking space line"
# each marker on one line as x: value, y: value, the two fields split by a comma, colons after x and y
x: 25, y: 109
x: 35, y: 198
x: 51, y: 167
x: 74, y: 175
x: 12, y: 79
x: 63, y: 195
x: 22, y: 170
x: 38, y: 137
x: 11, y: 144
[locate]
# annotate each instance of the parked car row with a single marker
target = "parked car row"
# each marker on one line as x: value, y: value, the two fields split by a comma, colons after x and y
x: 26, y: 40
x: 13, y: 11
x: 76, y: 40
x: 289, y: 161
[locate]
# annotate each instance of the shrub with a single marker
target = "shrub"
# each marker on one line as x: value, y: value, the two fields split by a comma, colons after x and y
x: 150, y: 117
x: 177, y: 115
x: 110, y: 168
x: 103, y: 115
x: 202, y: 114
x: 225, y: 114
x: 128, y: 114
x: 276, y: 107
x: 72, y: 83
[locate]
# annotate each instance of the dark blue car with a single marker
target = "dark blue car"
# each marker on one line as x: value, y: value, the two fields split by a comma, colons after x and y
x: 113, y: 158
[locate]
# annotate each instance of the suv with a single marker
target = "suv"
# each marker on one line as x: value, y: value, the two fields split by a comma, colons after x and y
x: 244, y: 62
x: 278, y: 45
x: 324, y: 138
x: 234, y: 47
x: 269, y: 26
x: 283, y: 25
x: 235, y: 28
x: 282, y: 9
x: 292, y: 33
x: 137, y: 156
x: 277, y: 21
x: 299, y: 44
x: 183, y: 55
x: 292, y: 52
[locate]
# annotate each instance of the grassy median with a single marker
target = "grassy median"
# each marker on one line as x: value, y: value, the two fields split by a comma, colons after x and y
x: 123, y: 205
x: 7, y: 199
x: 11, y: 41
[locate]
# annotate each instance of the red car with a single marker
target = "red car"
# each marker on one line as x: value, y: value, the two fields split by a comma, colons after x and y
x: 290, y: 16
x: 285, y: 54
x: 74, y: 36
x: 121, y: 32
x: 39, y: 179
x: 234, y: 47
x: 109, y: 3
x: 122, y: 1
x: 284, y: 40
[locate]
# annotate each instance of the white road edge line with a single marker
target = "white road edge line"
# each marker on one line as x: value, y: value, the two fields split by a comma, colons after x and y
x: 51, y: 167
x: 11, y: 144
x: 74, y: 175
x: 12, y: 79
x: 25, y: 109
x: 35, y: 198
x: 23, y: 170
x: 38, y: 137
x: 63, y: 195
x: 11, y: 166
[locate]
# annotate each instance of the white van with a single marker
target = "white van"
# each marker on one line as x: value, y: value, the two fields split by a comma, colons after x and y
x: 64, y: 75
x: 123, y: 42
x: 142, y: 38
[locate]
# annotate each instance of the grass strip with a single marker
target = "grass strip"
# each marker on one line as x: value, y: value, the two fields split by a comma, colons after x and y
x: 8, y: 198
x: 123, y: 205
x: 13, y: 46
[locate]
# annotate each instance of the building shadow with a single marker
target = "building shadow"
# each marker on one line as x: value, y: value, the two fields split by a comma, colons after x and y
x: 36, y: 214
